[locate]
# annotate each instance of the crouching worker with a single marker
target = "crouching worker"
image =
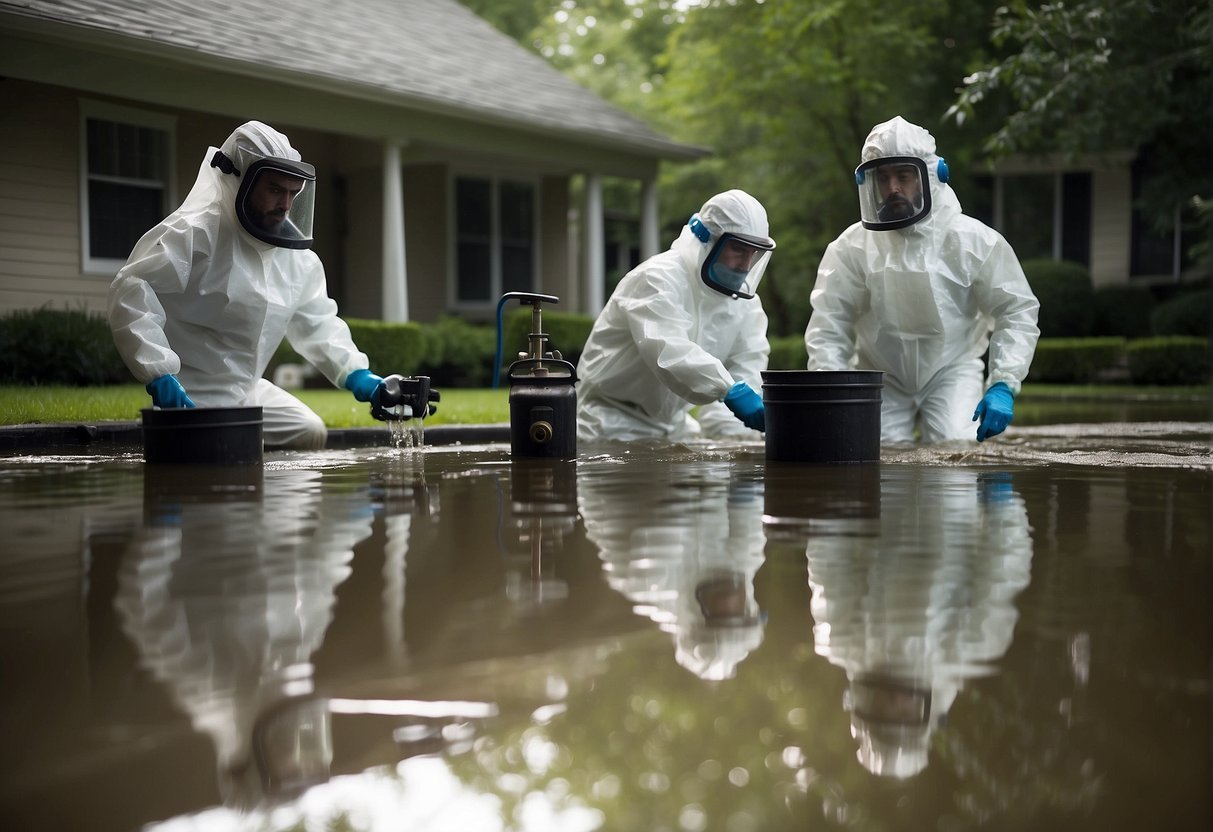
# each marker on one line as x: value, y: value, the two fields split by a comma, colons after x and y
x: 207, y: 295
x: 684, y: 328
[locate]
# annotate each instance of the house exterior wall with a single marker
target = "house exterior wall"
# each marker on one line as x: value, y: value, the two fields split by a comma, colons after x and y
x: 559, y: 273
x: 1111, y: 225
x: 39, y: 202
x: 426, y: 239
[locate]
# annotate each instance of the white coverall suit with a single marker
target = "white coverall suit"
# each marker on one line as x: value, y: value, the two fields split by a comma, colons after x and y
x: 202, y: 299
x: 666, y: 342
x: 921, y: 304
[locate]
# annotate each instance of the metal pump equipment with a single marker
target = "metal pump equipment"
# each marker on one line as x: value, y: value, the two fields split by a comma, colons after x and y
x: 543, y: 398
x: 399, y: 392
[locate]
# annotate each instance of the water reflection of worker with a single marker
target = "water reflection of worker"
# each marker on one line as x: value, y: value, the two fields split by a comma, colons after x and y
x: 690, y: 570
x: 914, y: 604
x: 226, y: 600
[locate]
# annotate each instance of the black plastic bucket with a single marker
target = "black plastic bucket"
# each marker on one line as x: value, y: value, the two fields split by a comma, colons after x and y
x: 203, y: 435
x: 822, y: 415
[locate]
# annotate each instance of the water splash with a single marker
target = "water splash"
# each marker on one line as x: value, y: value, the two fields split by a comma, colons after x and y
x: 407, y: 434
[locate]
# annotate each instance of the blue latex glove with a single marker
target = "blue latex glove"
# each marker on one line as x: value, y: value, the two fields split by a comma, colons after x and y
x: 746, y: 406
x: 364, y: 385
x: 167, y: 392
x: 994, y: 410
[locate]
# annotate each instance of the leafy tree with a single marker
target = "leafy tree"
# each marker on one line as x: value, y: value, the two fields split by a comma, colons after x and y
x: 1091, y: 76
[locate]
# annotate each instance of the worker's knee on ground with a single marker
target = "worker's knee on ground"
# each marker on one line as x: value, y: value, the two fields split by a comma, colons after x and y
x: 303, y: 432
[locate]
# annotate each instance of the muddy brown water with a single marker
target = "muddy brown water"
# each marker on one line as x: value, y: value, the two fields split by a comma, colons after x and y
x: 1014, y: 635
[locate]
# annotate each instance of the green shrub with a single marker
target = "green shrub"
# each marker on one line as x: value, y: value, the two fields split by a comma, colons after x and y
x: 567, y: 332
x: 1170, y: 360
x: 1123, y: 311
x: 392, y: 347
x: 53, y: 346
x: 461, y: 354
x: 1074, y: 360
x: 788, y: 353
x: 1066, y: 297
x: 1184, y: 314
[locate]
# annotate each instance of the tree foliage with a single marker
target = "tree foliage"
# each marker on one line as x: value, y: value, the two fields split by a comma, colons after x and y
x: 1092, y: 76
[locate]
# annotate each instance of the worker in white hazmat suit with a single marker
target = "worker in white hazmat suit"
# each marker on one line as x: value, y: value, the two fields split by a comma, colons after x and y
x: 208, y: 294
x: 918, y: 290
x: 684, y: 328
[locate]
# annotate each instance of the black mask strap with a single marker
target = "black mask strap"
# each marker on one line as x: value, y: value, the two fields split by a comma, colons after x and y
x: 221, y: 161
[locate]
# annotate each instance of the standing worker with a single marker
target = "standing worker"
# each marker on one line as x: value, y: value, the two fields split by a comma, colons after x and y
x: 918, y: 290
x: 207, y: 295
x: 684, y: 328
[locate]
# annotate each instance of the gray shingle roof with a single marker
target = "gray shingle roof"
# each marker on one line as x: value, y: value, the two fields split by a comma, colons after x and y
x: 428, y: 54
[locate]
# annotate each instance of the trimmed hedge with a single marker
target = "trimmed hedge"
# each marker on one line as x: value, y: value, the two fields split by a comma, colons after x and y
x: 1075, y: 360
x: 1169, y: 360
x: 567, y: 332
x: 1184, y: 314
x: 1123, y: 311
x: 58, y: 346
x: 1066, y: 297
x: 48, y: 346
x: 788, y: 353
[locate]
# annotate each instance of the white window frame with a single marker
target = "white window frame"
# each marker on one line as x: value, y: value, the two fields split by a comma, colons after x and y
x: 494, y: 178
x: 123, y: 115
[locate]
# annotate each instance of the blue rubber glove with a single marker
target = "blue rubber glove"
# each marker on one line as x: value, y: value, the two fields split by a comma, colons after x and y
x: 994, y: 410
x: 746, y: 406
x: 167, y: 392
x: 364, y: 385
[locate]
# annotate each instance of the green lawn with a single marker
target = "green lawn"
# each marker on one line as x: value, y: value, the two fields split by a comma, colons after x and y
x: 49, y: 405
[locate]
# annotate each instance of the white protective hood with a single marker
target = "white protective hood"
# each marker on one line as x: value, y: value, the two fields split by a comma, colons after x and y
x: 202, y: 299
x: 917, y: 300
x: 666, y: 342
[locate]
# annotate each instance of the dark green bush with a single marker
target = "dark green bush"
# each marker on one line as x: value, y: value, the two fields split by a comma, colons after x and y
x: 567, y: 332
x: 1185, y: 314
x: 1074, y: 360
x: 392, y: 347
x: 1066, y: 297
x: 461, y: 354
x: 1123, y: 311
x: 788, y: 353
x: 1170, y: 360
x: 59, y: 346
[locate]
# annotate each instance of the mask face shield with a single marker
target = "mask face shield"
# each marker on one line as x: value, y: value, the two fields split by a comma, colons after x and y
x: 893, y: 192
x: 276, y: 200
x: 736, y: 264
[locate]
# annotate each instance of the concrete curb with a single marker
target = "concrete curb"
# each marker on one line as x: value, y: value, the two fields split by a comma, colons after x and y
x: 107, y: 436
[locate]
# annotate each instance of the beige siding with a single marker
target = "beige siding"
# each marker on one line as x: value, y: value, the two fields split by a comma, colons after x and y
x: 425, y: 248
x: 1111, y: 206
x: 39, y: 208
x: 558, y: 278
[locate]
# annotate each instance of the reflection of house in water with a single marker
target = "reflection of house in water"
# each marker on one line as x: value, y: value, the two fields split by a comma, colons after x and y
x: 226, y: 592
x: 915, y: 599
x: 685, y: 555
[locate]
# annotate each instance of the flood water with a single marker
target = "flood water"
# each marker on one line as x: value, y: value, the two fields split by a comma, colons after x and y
x: 1010, y: 636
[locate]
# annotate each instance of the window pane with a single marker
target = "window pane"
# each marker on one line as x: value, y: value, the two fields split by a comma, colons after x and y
x: 517, y: 212
x: 1076, y: 217
x: 517, y: 266
x: 126, y: 151
x: 118, y: 217
x: 1027, y: 211
x: 473, y: 208
x: 473, y: 272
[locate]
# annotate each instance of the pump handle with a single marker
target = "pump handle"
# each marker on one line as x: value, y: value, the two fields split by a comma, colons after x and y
x: 531, y: 297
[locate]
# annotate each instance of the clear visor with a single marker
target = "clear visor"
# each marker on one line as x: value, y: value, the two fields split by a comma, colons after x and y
x: 893, y: 192
x: 736, y: 264
x: 276, y: 201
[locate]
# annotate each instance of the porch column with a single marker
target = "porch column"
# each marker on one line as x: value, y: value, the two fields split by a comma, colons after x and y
x: 649, y: 228
x: 594, y: 255
x: 395, y: 278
